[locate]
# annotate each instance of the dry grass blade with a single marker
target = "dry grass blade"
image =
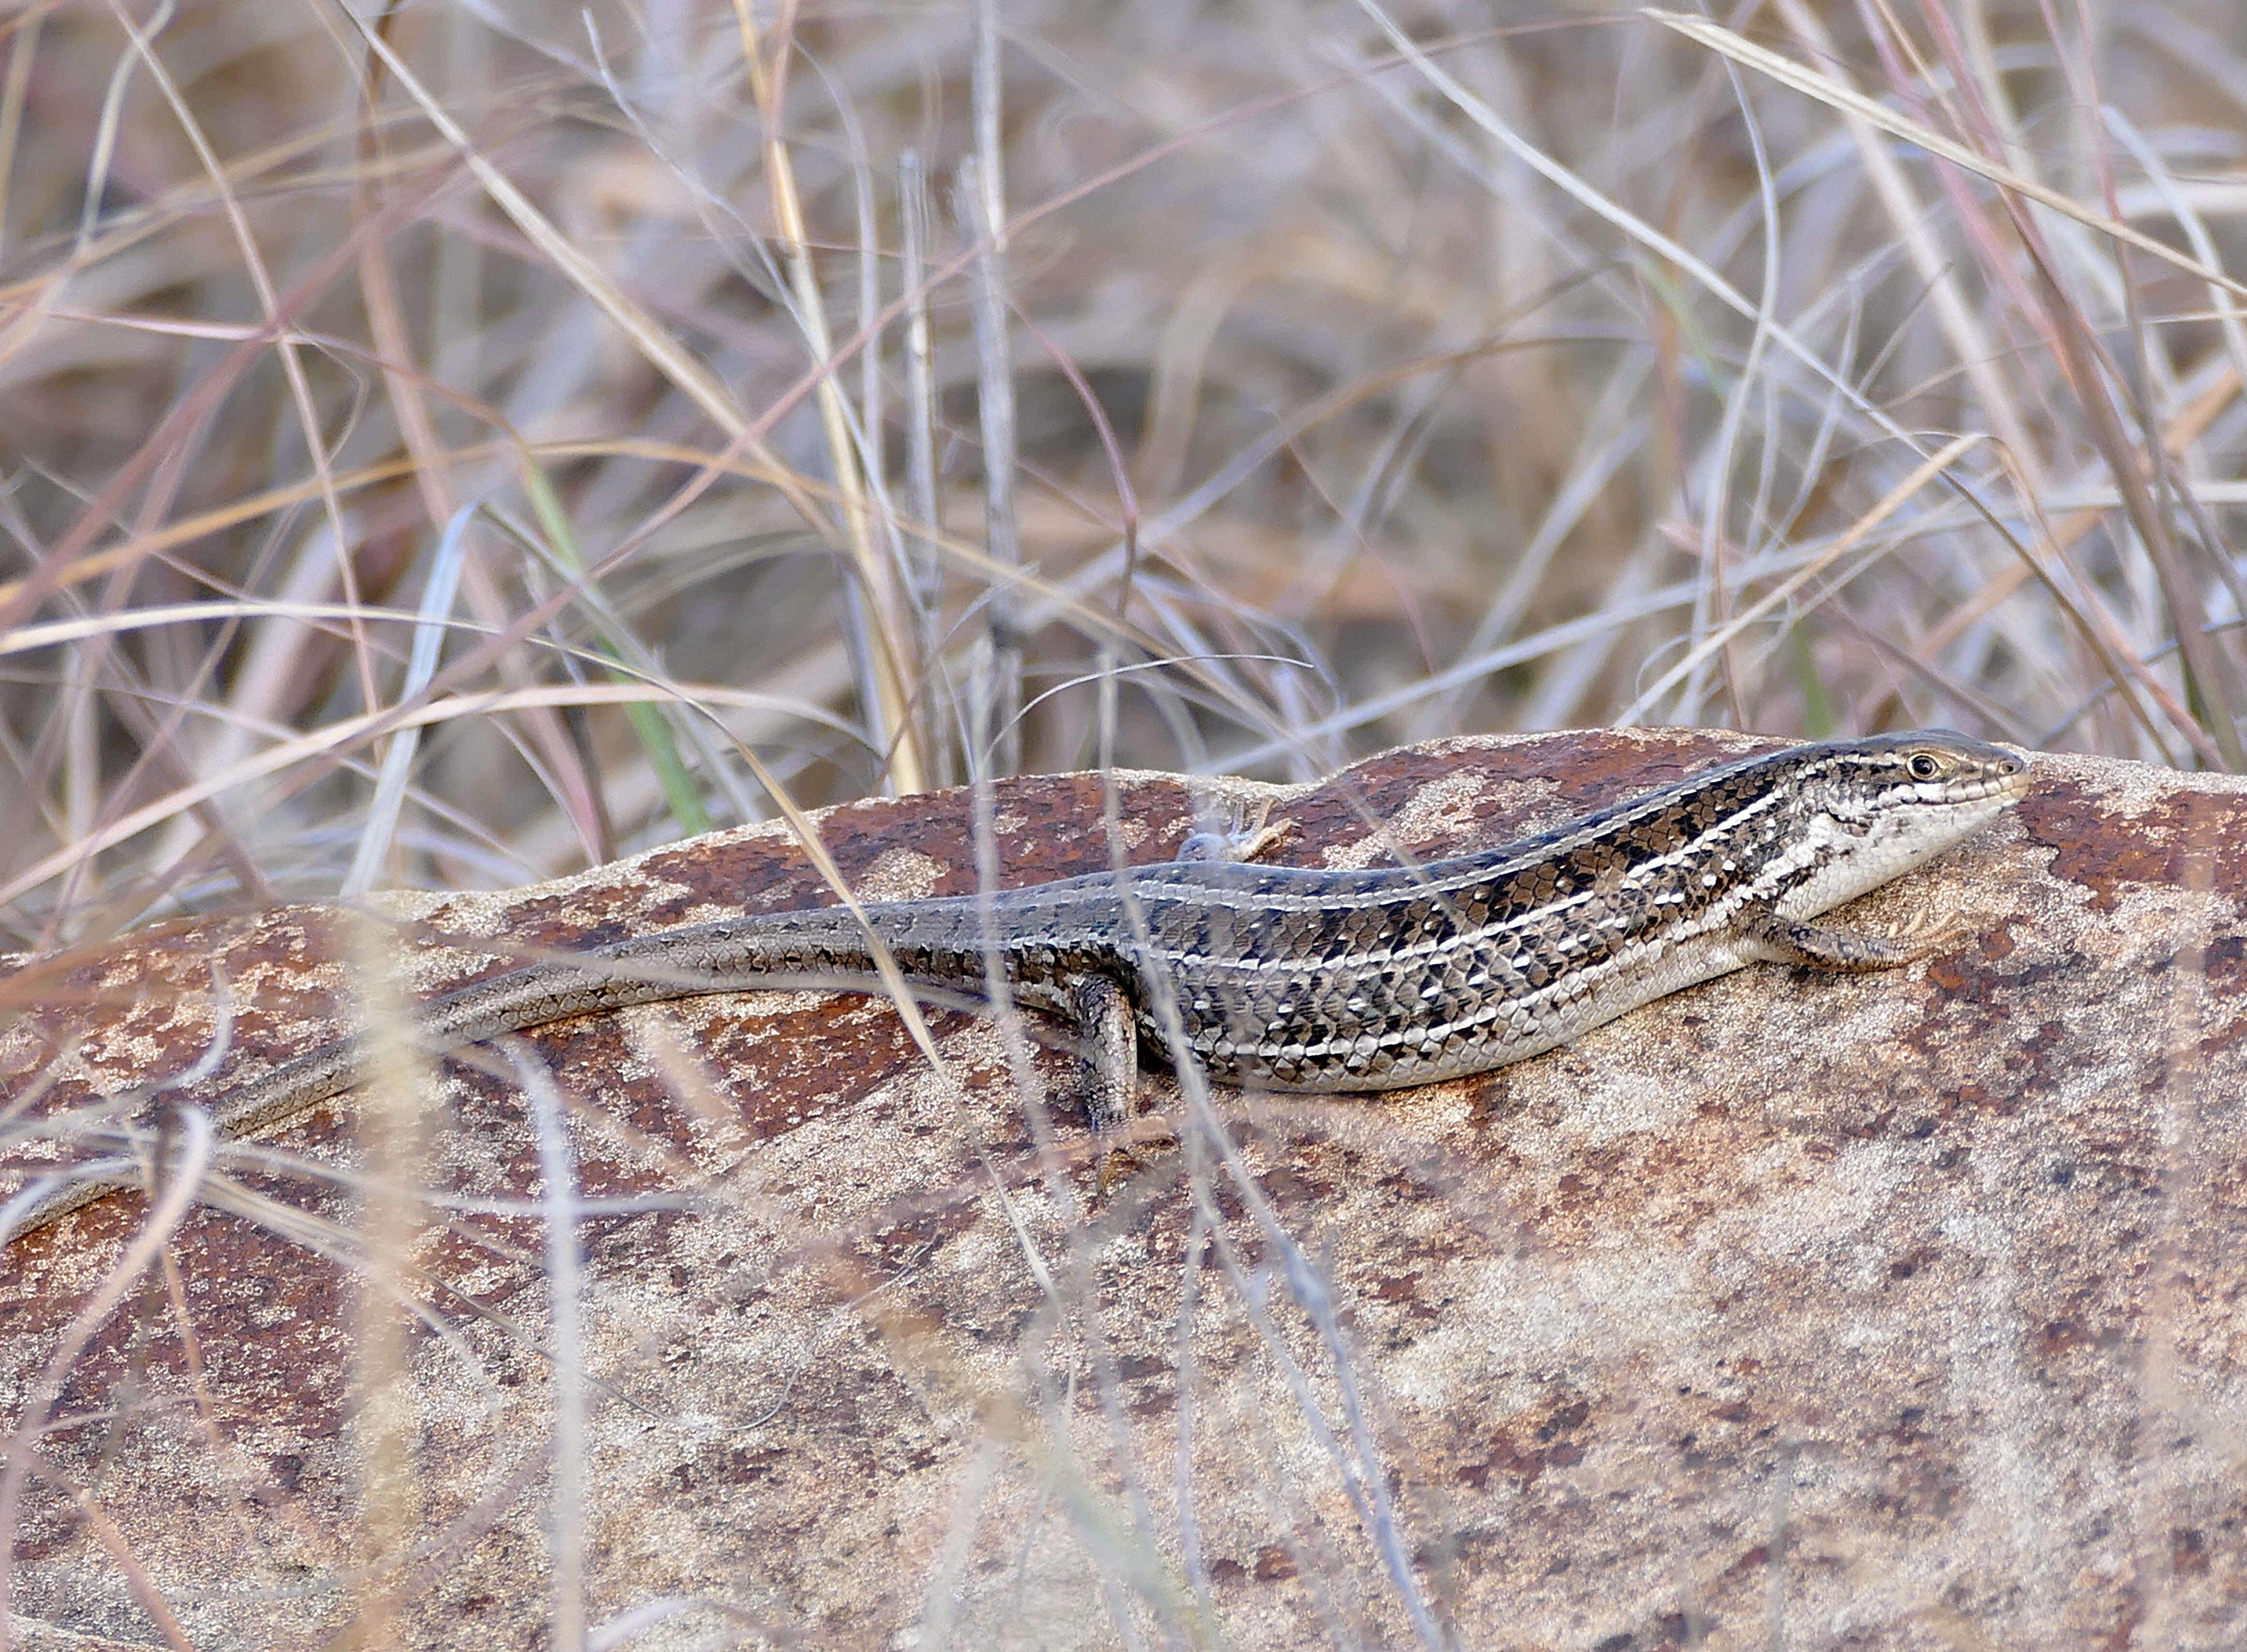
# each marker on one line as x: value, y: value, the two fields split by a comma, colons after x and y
x: 1927, y: 471
x: 884, y: 644
x: 342, y: 736
x: 1847, y: 99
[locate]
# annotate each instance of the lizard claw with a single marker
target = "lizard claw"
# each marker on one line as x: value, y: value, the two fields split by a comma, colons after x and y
x: 1130, y: 1146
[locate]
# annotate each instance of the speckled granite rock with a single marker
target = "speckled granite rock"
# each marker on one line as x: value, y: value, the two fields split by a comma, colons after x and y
x: 1895, y: 1311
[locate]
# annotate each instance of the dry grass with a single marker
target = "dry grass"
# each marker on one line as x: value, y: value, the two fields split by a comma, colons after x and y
x: 1351, y: 376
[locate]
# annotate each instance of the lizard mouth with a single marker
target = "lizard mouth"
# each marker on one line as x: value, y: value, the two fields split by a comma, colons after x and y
x: 2012, y: 785
x: 2006, y: 778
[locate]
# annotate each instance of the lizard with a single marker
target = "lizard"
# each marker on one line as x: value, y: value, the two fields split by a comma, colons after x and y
x: 1295, y: 979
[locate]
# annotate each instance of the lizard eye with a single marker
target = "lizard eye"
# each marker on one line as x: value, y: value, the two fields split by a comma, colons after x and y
x: 1924, y: 766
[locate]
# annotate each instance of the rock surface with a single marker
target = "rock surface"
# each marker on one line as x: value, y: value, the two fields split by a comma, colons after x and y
x: 1901, y: 1311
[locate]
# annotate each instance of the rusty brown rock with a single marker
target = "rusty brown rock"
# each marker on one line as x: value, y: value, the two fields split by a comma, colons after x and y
x: 1894, y: 1310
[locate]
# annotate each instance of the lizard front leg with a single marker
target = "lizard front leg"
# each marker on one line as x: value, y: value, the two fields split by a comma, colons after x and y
x: 1764, y: 934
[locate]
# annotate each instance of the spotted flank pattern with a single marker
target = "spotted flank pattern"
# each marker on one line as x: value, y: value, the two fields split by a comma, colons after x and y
x: 1304, y: 980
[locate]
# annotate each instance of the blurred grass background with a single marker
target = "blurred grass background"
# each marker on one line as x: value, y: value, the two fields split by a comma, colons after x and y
x: 450, y: 445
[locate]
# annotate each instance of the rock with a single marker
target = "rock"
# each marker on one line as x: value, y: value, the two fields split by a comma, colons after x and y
x: 1901, y: 1310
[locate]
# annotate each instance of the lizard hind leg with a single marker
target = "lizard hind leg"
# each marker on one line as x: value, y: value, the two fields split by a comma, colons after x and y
x: 1764, y: 934
x: 1110, y: 1050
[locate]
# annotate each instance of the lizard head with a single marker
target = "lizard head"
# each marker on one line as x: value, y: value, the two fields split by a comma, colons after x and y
x: 1880, y: 805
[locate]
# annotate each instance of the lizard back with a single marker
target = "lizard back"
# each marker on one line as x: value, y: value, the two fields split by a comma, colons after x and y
x: 1336, y: 980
